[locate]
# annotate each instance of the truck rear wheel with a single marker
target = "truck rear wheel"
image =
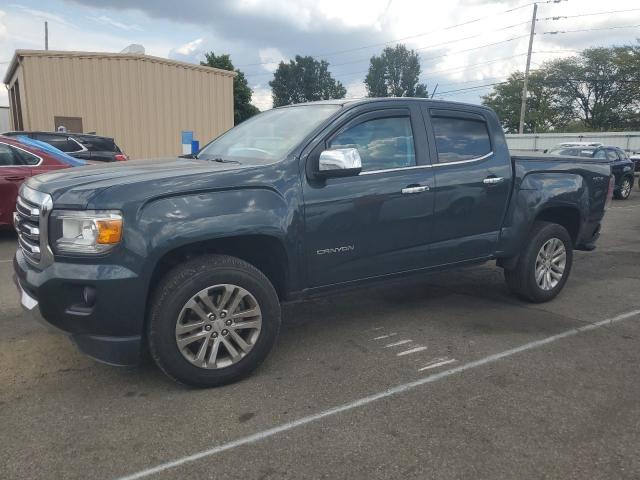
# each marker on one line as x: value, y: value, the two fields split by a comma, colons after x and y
x: 212, y: 321
x: 544, y: 264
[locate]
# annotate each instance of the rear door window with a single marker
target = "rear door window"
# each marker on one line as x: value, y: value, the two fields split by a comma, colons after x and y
x: 25, y: 158
x: 11, y: 156
x: 7, y: 156
x: 61, y: 142
x: 612, y: 155
x: 98, y: 144
x: 459, y: 139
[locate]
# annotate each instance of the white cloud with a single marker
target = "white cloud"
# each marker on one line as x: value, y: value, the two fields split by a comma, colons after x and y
x: 105, y: 20
x: 270, y: 58
x: 51, y: 17
x: 190, y: 48
x: 261, y: 97
x: 356, y: 89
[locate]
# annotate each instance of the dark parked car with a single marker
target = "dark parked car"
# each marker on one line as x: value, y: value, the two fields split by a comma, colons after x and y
x: 193, y: 257
x: 622, y: 166
x: 93, y: 148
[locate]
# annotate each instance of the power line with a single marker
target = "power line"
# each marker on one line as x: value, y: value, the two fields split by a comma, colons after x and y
x: 562, y: 17
x: 557, y: 32
x: 266, y: 74
x: 426, y: 47
x: 450, y: 27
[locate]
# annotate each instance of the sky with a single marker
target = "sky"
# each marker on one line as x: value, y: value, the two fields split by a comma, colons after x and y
x: 463, y: 44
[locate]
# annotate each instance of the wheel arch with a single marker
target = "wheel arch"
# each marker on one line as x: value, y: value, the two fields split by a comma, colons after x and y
x: 265, y: 252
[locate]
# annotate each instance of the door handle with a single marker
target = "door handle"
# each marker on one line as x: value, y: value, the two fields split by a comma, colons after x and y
x: 417, y: 189
x: 493, y: 180
x: 15, y: 178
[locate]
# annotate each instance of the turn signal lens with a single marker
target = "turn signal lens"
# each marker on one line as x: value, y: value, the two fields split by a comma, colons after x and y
x: 109, y: 231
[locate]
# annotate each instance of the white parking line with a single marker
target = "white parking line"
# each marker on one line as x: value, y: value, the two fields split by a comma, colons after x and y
x: 410, y: 351
x: 395, y: 344
x: 5, y: 261
x: 256, y: 437
x: 437, y: 363
x: 386, y: 336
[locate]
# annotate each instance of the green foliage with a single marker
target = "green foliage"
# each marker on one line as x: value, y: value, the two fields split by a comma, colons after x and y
x: 395, y: 73
x: 597, y: 90
x: 304, y: 80
x: 242, y: 107
x: 545, y: 112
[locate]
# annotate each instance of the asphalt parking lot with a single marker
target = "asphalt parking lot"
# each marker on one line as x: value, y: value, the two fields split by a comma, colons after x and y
x: 450, y: 377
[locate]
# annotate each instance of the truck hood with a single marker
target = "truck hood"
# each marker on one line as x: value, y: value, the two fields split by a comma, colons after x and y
x: 77, y: 186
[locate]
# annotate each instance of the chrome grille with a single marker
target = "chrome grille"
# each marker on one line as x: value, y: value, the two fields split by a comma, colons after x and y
x: 29, y: 220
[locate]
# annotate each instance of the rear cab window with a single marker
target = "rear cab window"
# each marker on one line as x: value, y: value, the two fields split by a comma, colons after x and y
x: 460, y: 138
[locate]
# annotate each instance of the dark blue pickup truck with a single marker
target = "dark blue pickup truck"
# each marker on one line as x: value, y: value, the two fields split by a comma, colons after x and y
x: 191, y: 258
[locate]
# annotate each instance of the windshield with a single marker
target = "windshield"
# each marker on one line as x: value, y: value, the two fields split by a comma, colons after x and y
x: 269, y: 135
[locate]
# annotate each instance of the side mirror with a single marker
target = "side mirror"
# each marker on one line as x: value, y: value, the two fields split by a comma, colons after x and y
x: 341, y: 162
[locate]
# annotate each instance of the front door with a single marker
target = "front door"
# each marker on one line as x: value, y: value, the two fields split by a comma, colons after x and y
x: 378, y: 222
x: 472, y: 184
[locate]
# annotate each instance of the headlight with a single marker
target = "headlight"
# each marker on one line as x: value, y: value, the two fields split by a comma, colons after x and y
x: 87, y: 231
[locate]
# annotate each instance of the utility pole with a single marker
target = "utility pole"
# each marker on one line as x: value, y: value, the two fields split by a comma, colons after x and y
x: 523, y: 105
x: 46, y: 35
x: 434, y: 91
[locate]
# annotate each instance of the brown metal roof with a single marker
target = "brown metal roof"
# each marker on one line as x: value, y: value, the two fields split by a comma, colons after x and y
x: 13, y: 65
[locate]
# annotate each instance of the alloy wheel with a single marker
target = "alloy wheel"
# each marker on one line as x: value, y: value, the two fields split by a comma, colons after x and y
x: 218, y: 326
x: 551, y: 262
x: 625, y: 188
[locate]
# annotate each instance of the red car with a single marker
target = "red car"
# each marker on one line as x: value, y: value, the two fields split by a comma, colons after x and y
x: 19, y: 161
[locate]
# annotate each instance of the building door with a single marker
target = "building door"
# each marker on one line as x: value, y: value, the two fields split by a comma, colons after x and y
x: 70, y: 124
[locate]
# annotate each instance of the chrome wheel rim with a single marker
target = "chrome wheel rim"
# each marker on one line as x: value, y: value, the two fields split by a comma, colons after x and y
x: 218, y: 326
x: 626, y: 188
x: 550, y: 264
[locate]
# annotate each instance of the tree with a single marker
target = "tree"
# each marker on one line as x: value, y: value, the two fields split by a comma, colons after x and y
x: 601, y: 84
x: 242, y: 107
x: 545, y: 112
x: 304, y: 80
x: 395, y: 73
x: 597, y: 90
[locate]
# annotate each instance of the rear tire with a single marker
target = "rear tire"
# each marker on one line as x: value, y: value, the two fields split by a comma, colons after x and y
x: 625, y: 189
x: 544, y: 264
x: 227, y: 305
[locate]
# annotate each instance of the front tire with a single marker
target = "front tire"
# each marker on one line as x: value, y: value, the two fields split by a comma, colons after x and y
x: 625, y: 189
x: 212, y: 321
x: 544, y: 264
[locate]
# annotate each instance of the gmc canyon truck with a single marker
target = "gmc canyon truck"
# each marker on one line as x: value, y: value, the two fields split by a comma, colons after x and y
x: 190, y: 259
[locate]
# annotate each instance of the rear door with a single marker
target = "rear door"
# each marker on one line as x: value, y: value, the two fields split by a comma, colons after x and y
x: 378, y: 222
x: 12, y: 173
x: 472, y: 183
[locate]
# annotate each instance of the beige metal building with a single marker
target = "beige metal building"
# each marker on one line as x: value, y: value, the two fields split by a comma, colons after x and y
x: 143, y: 102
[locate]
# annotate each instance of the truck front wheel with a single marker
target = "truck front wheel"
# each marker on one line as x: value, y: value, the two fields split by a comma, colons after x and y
x: 624, y: 191
x: 544, y: 264
x: 212, y: 321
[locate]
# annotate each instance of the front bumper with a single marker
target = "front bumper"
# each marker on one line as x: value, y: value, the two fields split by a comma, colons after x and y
x: 110, y: 331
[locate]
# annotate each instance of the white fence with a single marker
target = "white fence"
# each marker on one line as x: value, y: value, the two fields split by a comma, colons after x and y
x: 536, y: 142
